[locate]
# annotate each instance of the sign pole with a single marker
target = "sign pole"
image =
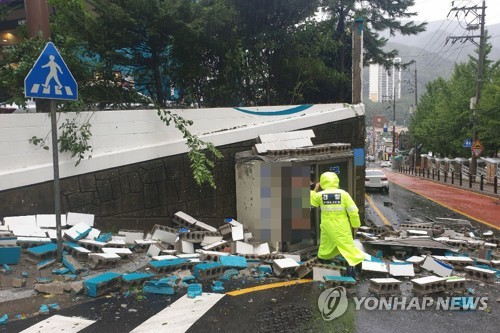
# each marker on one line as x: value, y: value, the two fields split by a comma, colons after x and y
x: 57, y: 187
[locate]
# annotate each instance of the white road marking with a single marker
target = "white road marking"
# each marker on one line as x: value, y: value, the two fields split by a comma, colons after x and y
x: 179, y: 316
x: 58, y: 323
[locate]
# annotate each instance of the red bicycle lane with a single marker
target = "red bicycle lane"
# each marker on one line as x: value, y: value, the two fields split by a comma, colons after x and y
x: 479, y: 207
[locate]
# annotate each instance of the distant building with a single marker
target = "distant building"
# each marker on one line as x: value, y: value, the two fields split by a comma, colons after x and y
x: 382, y: 81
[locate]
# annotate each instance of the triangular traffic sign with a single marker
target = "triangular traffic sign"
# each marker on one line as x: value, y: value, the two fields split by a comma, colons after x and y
x: 477, y: 148
x: 50, y: 78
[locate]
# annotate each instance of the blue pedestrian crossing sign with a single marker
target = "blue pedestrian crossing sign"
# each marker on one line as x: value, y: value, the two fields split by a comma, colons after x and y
x: 50, y: 78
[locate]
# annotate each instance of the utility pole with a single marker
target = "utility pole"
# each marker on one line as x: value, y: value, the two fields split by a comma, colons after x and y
x: 480, y: 64
x: 357, y: 61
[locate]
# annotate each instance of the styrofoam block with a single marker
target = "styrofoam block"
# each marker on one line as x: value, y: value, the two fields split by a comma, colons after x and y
x: 247, y: 236
x: 49, y: 220
x: 105, y: 256
x: 73, y: 219
x: 116, y: 242
x: 51, y: 233
x: 155, y: 249
x: 184, y: 247
x: 27, y: 221
x: 188, y: 255
x: 285, y: 263
x: 164, y: 236
x: 145, y: 241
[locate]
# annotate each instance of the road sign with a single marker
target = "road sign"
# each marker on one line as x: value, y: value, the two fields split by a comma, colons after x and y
x: 477, y: 148
x: 468, y: 143
x: 50, y: 78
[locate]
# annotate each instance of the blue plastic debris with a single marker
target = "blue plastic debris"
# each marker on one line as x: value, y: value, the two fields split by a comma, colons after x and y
x: 233, y: 261
x: 44, y: 309
x: 182, y: 230
x: 162, y: 286
x: 71, y: 264
x: 10, y: 255
x: 266, y: 269
x: 217, y: 287
x: 194, y: 290
x: 4, y: 319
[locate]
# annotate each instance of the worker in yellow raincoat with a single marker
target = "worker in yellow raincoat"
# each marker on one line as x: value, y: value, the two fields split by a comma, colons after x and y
x: 339, y: 214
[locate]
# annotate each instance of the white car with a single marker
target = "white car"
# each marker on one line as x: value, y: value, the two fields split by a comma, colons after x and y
x: 385, y: 164
x: 376, y: 179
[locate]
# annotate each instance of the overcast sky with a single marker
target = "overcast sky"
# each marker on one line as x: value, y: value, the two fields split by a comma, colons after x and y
x: 435, y: 10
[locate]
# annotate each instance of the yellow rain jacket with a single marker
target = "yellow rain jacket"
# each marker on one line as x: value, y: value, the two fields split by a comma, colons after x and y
x: 338, y: 214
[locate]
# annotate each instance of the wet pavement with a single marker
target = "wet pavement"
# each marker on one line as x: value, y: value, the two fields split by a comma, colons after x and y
x: 479, y: 207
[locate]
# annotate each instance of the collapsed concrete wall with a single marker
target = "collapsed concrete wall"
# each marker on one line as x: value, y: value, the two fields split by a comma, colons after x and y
x: 143, y: 194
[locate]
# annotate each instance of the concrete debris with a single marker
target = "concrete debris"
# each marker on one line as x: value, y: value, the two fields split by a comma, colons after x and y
x: 180, y: 258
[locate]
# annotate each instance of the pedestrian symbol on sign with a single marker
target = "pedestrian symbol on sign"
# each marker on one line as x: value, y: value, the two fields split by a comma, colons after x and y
x: 50, y: 77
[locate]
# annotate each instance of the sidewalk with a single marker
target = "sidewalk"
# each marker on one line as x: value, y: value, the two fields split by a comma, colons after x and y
x: 483, y: 207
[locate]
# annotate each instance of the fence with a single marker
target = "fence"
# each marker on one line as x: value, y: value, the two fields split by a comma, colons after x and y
x: 463, y: 179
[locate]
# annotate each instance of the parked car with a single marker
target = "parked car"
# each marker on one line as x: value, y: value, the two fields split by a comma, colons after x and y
x: 377, y: 180
x: 385, y: 164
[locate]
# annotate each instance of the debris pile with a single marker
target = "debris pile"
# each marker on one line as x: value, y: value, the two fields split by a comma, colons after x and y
x: 193, y: 257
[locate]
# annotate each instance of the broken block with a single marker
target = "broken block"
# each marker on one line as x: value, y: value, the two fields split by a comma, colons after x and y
x: 319, y: 273
x: 163, y: 233
x: 335, y: 280
x: 191, y: 223
x: 18, y: 282
x: 79, y: 231
x: 155, y: 249
x: 385, y: 286
x: 131, y: 235
x: 217, y: 287
x: 104, y: 238
x: 121, y: 251
x: 199, y: 236
x: 102, y: 284
x: 6, y: 270
x: 10, y: 255
x: 161, y: 286
x: 429, y: 285
x: 76, y: 250
x: 455, y: 283
x: 211, y: 255
x: 487, y: 275
x: 169, y: 266
x: 183, y: 246
x: 436, y: 266
x: 194, y: 290
x: 217, y: 246
x: 207, y: 270
x: 101, y: 260
x: 43, y: 250
x: 233, y: 262
x: 242, y: 248
x: 374, y: 266
x: 286, y: 266
x: 401, y: 269
x: 306, y: 267
x: 73, y: 219
x: 135, y: 279
x: 56, y: 288
x: 73, y: 265
x: 45, y: 263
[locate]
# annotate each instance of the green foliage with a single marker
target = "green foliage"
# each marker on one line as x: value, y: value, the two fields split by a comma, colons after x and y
x: 444, y: 120
x: 74, y: 138
x: 199, y: 151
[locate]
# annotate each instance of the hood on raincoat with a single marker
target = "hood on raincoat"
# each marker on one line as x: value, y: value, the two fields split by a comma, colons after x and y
x: 329, y: 180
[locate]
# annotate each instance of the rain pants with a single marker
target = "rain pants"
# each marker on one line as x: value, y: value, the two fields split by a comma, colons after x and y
x: 338, y: 214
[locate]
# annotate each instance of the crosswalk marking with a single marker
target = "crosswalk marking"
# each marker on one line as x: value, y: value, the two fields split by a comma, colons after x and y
x: 180, y: 316
x: 35, y: 89
x: 58, y: 323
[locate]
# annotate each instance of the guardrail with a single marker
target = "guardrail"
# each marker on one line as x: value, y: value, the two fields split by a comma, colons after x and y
x: 454, y: 178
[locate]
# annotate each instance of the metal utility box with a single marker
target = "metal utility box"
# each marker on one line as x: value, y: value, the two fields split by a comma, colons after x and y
x: 273, y: 190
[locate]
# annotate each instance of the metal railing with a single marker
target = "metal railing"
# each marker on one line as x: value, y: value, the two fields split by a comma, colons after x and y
x: 461, y: 178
